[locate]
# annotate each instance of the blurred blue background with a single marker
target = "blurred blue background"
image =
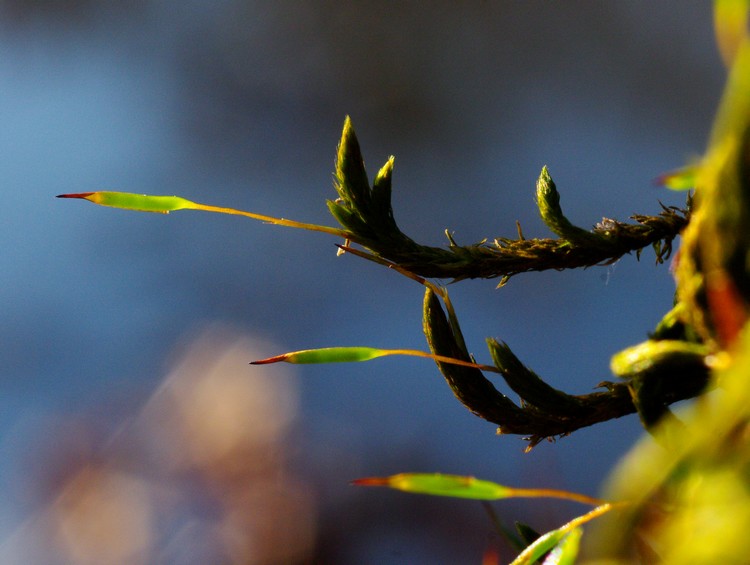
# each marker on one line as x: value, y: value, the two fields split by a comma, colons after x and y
x: 240, y: 104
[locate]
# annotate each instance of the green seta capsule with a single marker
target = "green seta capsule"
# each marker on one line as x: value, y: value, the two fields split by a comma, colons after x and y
x: 137, y: 202
x: 326, y: 355
x: 356, y: 354
x: 460, y: 486
x: 167, y: 204
x: 438, y: 484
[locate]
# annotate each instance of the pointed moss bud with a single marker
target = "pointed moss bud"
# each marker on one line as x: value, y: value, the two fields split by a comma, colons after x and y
x: 468, y: 384
x: 527, y: 384
x: 351, y: 177
x: 548, y: 202
x: 381, y: 194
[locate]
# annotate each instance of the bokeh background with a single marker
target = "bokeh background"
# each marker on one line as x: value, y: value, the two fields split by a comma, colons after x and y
x: 132, y: 429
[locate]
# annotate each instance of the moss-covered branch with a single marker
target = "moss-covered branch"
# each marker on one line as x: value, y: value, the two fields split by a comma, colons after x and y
x: 545, y: 412
x: 366, y: 213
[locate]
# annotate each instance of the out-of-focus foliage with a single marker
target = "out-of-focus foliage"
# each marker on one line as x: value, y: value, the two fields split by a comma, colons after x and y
x: 730, y: 24
x: 688, y: 491
x: 200, y: 474
x: 713, y: 279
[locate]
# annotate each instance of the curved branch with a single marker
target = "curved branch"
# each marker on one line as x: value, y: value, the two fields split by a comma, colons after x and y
x: 545, y: 412
x: 366, y: 213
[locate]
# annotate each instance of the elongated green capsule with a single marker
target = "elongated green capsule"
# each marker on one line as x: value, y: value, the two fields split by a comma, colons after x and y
x: 460, y: 486
x: 355, y: 354
x: 137, y: 202
x: 167, y: 204
x: 326, y: 355
x: 438, y: 484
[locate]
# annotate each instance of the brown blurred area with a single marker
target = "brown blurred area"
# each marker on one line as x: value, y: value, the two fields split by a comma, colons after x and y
x: 199, y: 475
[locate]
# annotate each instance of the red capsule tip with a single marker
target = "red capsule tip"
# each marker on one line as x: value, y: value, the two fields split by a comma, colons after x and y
x: 77, y: 195
x: 371, y: 482
x: 275, y: 359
